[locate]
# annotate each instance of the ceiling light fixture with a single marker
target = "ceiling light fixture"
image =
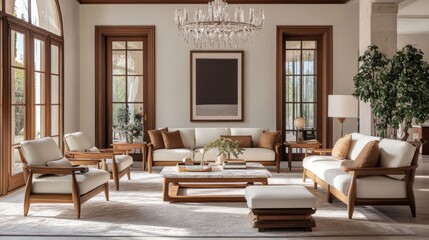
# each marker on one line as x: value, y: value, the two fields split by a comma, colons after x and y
x: 216, y: 28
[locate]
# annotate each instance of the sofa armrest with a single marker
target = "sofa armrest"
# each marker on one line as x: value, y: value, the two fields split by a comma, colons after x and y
x: 374, y: 171
x: 322, y: 151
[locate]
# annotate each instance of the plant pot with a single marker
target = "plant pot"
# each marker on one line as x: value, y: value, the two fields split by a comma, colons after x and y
x: 221, y: 158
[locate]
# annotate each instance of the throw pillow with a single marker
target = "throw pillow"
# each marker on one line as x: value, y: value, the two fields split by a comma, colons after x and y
x: 156, y: 138
x: 92, y: 149
x: 172, y: 140
x: 368, y: 156
x: 63, y: 162
x: 269, y: 139
x: 245, y: 140
x: 341, y: 147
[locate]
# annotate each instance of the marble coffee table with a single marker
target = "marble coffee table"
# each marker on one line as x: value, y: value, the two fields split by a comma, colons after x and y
x: 221, y: 178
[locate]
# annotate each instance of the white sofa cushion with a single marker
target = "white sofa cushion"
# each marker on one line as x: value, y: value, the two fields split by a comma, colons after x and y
x: 77, y: 142
x: 358, y: 143
x: 206, y: 135
x: 323, y: 165
x: 39, y: 152
x: 367, y: 187
x: 63, y: 184
x: 258, y: 154
x: 395, y: 153
x: 187, y: 135
x: 122, y: 162
x: 254, y: 132
x: 176, y: 154
x: 281, y: 197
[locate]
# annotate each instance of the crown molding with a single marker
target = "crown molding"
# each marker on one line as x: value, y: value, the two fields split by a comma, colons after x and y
x: 206, y: 1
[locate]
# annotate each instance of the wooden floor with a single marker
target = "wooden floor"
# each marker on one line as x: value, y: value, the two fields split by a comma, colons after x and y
x: 400, y: 214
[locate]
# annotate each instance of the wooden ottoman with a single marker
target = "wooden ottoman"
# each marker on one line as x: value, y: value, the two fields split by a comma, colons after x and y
x: 280, y: 207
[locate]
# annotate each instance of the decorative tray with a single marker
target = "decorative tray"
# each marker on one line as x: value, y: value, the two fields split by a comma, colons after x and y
x: 196, y: 167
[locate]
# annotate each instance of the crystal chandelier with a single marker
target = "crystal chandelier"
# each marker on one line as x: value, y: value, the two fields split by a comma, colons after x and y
x: 216, y: 27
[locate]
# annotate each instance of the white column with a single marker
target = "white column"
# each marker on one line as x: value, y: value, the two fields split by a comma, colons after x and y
x: 377, y: 26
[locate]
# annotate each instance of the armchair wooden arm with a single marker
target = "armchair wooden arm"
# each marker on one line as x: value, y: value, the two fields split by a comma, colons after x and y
x: 374, y: 171
x: 55, y: 170
x: 115, y: 151
x: 91, y: 155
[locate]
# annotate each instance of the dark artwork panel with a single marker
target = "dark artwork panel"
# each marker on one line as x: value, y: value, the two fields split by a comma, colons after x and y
x: 216, y: 81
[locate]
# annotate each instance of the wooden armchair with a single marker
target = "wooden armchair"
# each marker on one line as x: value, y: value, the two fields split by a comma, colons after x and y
x: 116, y: 162
x: 50, y: 178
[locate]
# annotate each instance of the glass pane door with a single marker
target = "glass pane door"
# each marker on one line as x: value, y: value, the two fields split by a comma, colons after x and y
x: 126, y: 74
x: 39, y: 89
x: 300, y: 85
x: 56, y: 106
x: 18, y: 97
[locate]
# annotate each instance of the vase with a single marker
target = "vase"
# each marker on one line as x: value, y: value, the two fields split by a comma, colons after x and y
x: 221, y: 158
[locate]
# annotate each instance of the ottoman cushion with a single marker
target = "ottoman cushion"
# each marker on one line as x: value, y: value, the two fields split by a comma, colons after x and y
x: 279, y: 197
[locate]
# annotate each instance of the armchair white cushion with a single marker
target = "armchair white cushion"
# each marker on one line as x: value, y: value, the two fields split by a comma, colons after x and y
x: 122, y: 162
x: 54, y: 184
x: 40, y: 152
x: 77, y: 142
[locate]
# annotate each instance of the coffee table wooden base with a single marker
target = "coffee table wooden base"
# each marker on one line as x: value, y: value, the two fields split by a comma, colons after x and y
x: 172, y: 186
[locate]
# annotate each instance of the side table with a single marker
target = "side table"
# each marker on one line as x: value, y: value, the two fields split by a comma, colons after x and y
x: 130, y: 146
x: 303, y: 145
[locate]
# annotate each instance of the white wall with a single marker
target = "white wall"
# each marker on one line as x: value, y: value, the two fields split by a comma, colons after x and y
x: 172, y: 59
x: 420, y: 41
x: 70, y: 14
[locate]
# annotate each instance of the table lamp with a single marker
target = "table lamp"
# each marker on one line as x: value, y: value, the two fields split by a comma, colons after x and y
x: 342, y: 107
x: 299, y: 123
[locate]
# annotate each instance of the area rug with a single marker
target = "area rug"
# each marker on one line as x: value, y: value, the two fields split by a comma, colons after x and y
x: 138, y: 210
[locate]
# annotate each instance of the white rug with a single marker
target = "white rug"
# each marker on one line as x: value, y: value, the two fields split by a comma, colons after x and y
x: 138, y: 210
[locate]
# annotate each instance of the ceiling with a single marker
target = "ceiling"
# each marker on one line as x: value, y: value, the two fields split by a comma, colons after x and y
x: 413, y: 17
x: 206, y: 1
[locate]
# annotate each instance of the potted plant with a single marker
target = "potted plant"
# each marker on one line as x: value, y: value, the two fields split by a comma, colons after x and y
x: 226, y: 147
x: 129, y: 129
x: 397, y: 89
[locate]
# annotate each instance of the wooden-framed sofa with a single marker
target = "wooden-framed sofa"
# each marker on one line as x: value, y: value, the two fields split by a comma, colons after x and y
x: 390, y: 183
x: 202, y: 136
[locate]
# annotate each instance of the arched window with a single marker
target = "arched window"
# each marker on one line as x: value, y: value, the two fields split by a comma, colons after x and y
x: 32, y: 79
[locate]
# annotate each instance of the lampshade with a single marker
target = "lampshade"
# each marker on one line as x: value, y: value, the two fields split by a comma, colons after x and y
x: 299, y: 122
x: 342, y: 106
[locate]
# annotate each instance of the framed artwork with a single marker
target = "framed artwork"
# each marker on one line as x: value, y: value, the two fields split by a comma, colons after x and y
x: 217, y: 85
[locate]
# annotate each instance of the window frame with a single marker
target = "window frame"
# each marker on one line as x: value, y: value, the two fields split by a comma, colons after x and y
x: 101, y: 102
x: 8, y: 181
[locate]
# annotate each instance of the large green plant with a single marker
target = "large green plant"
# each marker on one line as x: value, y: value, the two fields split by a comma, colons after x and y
x: 397, y: 89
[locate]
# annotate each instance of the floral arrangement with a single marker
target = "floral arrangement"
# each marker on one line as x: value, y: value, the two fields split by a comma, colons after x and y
x: 225, y: 146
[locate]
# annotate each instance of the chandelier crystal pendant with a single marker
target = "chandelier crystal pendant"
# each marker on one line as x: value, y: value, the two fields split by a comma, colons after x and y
x: 216, y: 28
